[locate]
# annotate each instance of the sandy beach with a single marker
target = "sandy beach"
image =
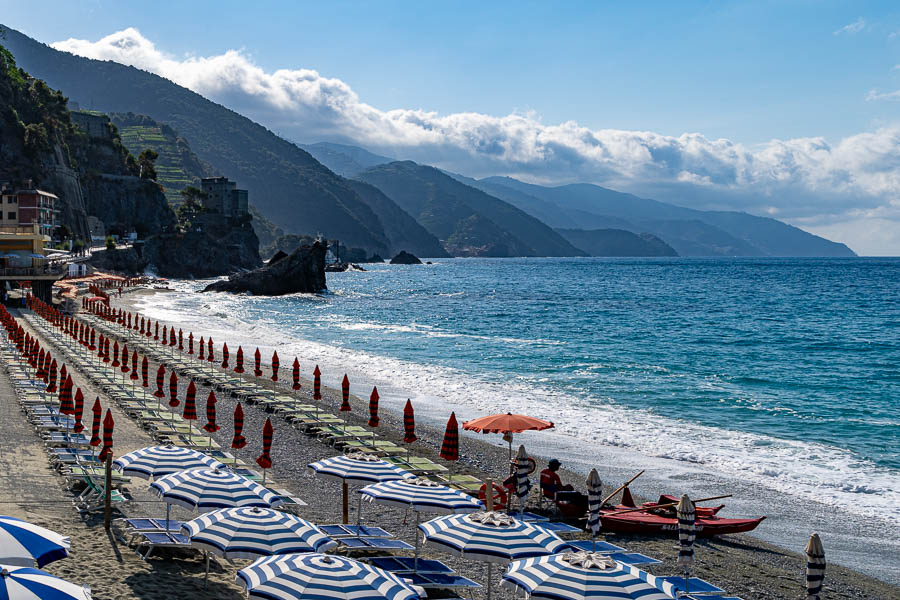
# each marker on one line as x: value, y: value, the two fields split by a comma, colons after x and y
x: 741, y: 564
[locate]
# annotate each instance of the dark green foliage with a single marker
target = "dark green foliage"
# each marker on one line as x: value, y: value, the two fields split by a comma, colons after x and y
x: 110, y: 243
x: 617, y: 242
x: 147, y: 163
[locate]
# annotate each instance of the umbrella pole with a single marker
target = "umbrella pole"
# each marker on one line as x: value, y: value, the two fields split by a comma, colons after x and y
x: 168, y: 509
x: 206, y: 577
x: 489, y: 577
x: 346, y: 508
x: 359, y: 511
x: 416, y: 533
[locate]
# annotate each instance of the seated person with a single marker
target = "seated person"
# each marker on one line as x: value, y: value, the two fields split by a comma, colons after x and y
x: 552, y: 487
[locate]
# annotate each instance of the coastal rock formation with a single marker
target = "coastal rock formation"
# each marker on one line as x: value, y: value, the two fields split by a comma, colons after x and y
x: 617, y: 242
x: 302, y: 271
x: 405, y: 258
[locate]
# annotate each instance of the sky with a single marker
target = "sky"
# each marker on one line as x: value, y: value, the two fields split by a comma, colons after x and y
x: 787, y: 109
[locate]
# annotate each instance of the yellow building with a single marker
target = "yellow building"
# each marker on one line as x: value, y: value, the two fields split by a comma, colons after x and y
x: 22, y: 259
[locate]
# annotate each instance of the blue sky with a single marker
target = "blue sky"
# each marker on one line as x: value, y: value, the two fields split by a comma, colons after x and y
x: 788, y: 109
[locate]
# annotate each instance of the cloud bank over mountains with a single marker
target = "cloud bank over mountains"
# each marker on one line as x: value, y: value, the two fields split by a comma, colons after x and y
x: 849, y: 190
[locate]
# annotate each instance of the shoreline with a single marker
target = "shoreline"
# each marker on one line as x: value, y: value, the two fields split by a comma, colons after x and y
x: 484, y: 454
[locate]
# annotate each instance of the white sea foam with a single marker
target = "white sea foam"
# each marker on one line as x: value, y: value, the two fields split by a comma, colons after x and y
x: 806, y: 470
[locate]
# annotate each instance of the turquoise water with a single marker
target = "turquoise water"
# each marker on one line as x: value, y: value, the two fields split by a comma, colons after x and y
x: 785, y: 372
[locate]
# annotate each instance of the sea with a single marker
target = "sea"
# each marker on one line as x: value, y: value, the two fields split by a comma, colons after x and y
x: 776, y: 380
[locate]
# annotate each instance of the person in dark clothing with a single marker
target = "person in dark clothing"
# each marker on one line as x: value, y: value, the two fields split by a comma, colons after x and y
x: 552, y: 487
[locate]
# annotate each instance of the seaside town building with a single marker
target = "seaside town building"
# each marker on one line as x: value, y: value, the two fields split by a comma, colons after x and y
x: 22, y: 259
x: 223, y: 197
x: 29, y: 206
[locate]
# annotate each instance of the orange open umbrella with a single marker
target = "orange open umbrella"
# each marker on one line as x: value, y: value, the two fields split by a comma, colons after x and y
x: 507, y: 424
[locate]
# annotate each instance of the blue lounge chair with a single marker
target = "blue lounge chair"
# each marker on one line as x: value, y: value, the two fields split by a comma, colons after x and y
x: 151, y: 541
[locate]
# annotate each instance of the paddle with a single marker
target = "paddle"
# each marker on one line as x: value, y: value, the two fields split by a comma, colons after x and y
x: 670, y: 504
x: 620, y: 488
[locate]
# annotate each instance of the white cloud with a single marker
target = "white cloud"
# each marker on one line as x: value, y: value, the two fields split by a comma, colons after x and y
x: 854, y: 27
x: 876, y: 95
x: 807, y: 181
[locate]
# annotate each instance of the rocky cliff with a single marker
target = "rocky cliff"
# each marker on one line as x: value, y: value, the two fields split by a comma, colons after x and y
x: 302, y: 271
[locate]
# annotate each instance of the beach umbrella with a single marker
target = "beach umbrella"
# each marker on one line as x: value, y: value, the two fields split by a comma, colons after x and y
x: 156, y: 332
x: 23, y: 544
x: 190, y: 403
x: 156, y: 461
x: 264, y: 460
x: 51, y: 377
x: 317, y: 384
x: 253, y: 532
x: 225, y: 355
x: 124, y: 358
x: 582, y: 576
x: 210, y: 351
x: 27, y: 583
x: 345, y: 394
x: 421, y: 495
x: 313, y: 576
x: 108, y: 424
x: 202, y: 354
x: 373, y: 409
x: 40, y: 373
x: 95, y: 425
x: 239, y: 361
x: 275, y: 365
x: 256, y: 358
x: 358, y: 468
x: 145, y: 365
x: 160, y: 382
x: 172, y: 337
x: 106, y: 350
x: 134, y: 368
x: 142, y: 325
x: 79, y: 411
x: 595, y: 498
x: 207, y: 489
x: 450, y: 445
x: 66, y: 407
x: 523, y: 469
x: 295, y: 374
x: 173, y: 390
x: 211, y: 426
x: 409, y: 424
x: 238, y: 441
x: 180, y: 340
x: 92, y: 346
x: 686, y: 516
x: 191, y: 343
x: 815, y: 567
x: 115, y: 360
x: 490, y: 536
x: 165, y: 336
x: 507, y: 424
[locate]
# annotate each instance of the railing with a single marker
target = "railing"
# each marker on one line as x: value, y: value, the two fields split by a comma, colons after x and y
x: 52, y: 269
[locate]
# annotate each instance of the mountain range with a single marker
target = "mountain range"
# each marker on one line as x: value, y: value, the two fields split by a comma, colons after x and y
x: 382, y: 205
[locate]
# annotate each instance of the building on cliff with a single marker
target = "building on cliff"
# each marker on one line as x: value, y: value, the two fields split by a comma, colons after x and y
x: 223, y: 197
x: 29, y: 206
x: 22, y: 259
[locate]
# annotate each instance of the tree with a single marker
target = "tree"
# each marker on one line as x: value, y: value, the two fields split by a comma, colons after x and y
x: 147, y: 163
x: 192, y: 206
x: 110, y: 243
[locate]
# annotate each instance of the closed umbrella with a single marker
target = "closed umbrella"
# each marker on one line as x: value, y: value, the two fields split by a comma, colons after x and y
x: 815, y: 567
x: 160, y: 382
x: 108, y: 424
x: 373, y: 409
x: 409, y: 426
x: 24, y: 544
x: 345, y: 394
x: 207, y: 489
x: 450, y: 445
x: 257, y: 371
x: 523, y: 469
x: 165, y: 336
x: 124, y: 368
x: 180, y: 340
x: 275, y: 365
x: 191, y: 343
x: 238, y: 441
x: 239, y: 361
x: 202, y: 354
x: 295, y: 374
x: 225, y: 355
x: 51, y: 377
x: 595, y: 498
x: 134, y: 369
x: 313, y: 576
x: 190, y: 403
x: 173, y: 390
x: 210, y: 351
x: 27, y: 583
x: 211, y: 426
x: 79, y: 411
x: 264, y: 460
x: 356, y: 467
x: 172, y: 337
x: 97, y: 411
x: 115, y: 359
x: 145, y: 378
x: 317, y: 383
x: 686, y: 515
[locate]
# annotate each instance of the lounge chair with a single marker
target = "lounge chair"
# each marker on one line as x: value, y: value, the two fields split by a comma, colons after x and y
x: 128, y: 530
x: 162, y: 539
x: 373, y: 544
x: 599, y: 546
x: 336, y: 531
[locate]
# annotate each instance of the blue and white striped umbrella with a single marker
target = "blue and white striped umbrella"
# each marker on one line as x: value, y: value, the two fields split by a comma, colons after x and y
x: 582, y: 576
x: 23, y: 544
x: 155, y: 461
x: 523, y: 467
x: 212, y: 488
x: 254, y: 532
x: 27, y: 583
x: 359, y: 467
x: 490, y: 536
x: 321, y: 577
x: 422, y: 495
x: 594, y: 493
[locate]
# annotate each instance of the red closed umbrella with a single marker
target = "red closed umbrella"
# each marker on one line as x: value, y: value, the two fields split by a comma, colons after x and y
x: 51, y: 377
x: 180, y: 341
x: 106, y: 350
x: 275, y: 365
x: 92, y: 346
x: 62, y: 374
x: 238, y: 441
x: 190, y: 403
x: 172, y: 337
x: 134, y: 367
x: 409, y: 423
x: 142, y: 325
x: 211, y: 426
x: 317, y: 384
x: 191, y: 343
x: 165, y: 336
x: 115, y: 360
x: 124, y: 358
x: 79, y: 411
x: 108, y: 424
x: 100, y: 346
x: 202, y: 354
x: 373, y: 408
x: 345, y: 394
x: 40, y: 373
x: 173, y: 390
x: 210, y: 351
x: 65, y: 398
x: 145, y: 375
x: 450, y: 446
x: 264, y: 460
x: 256, y: 358
x: 239, y: 361
x: 295, y: 374
x: 95, y: 426
x: 160, y: 382
x: 156, y: 332
x: 225, y: 355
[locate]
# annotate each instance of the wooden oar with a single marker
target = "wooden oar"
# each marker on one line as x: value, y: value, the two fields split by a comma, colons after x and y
x: 620, y: 488
x: 644, y: 508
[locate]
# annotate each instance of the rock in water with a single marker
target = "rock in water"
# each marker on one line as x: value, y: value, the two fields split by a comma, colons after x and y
x: 302, y: 271
x: 405, y: 258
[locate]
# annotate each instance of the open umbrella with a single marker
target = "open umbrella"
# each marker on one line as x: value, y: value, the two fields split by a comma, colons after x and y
x: 238, y: 441
x: 212, y: 488
x: 345, y: 394
x: 173, y: 390
x: 27, y: 583
x: 156, y: 461
x: 815, y: 567
x: 239, y: 361
x: 275, y: 365
x: 507, y: 424
x: 320, y: 577
x: 295, y: 374
x: 257, y: 371
x: 357, y: 467
x: 23, y: 544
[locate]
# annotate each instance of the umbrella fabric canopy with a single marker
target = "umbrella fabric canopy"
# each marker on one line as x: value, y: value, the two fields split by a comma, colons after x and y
x: 256, y: 358
x: 317, y: 383
x: 295, y: 374
x: 254, y: 532
x: 156, y: 461
x: 450, y: 445
x: 23, y: 544
x: 95, y: 425
x: 507, y: 424
x: 144, y: 375
x: 134, y: 367
x: 345, y: 394
x: 160, y: 382
x: 409, y: 423
x: 422, y: 495
x: 490, y: 536
x: 173, y: 390
x: 202, y: 354
x: 264, y: 460
x: 686, y: 513
x: 210, y: 352
x: 26, y: 583
x: 211, y: 426
x: 275, y: 365
x: 373, y: 408
x: 238, y: 441
x: 190, y: 403
x: 212, y: 488
x: 595, y: 498
x: 108, y: 424
x: 580, y: 576
x: 815, y: 567
x: 523, y: 469
x: 191, y: 342
x: 79, y: 412
x: 321, y: 577
x: 358, y: 467
x: 239, y: 360
x: 225, y: 355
